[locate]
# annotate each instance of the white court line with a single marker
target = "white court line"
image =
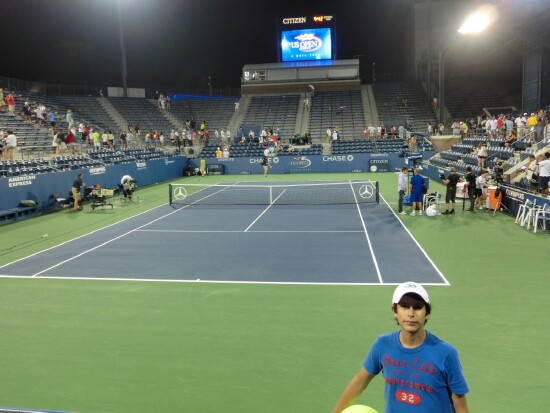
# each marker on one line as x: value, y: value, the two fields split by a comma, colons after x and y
x: 114, y: 239
x: 264, y: 211
x: 381, y: 281
x: 249, y: 232
x: 154, y: 280
x: 417, y: 244
x: 82, y: 236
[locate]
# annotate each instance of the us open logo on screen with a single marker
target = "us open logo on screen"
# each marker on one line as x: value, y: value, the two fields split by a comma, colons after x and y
x: 307, y: 42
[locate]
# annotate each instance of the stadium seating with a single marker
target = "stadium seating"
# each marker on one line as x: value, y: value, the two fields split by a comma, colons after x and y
x: 337, y: 109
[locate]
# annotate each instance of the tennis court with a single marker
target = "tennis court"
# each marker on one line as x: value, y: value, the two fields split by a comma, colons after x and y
x: 322, y: 232
x: 78, y: 343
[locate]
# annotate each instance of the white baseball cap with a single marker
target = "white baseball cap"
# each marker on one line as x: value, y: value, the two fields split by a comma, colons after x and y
x: 410, y: 287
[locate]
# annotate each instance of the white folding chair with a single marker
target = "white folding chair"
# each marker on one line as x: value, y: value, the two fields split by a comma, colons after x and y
x: 532, y: 215
x: 542, y: 216
x: 528, y: 214
x: 521, y: 210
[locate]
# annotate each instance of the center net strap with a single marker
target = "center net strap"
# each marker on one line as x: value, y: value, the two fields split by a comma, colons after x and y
x: 348, y: 192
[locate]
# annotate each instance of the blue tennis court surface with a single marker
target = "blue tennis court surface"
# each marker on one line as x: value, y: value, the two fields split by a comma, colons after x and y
x: 321, y: 244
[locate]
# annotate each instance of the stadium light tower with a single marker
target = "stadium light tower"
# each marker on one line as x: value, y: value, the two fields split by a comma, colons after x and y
x: 474, y: 24
x: 122, y: 50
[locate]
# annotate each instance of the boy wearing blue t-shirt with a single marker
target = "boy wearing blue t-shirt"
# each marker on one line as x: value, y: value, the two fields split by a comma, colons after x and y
x: 422, y: 373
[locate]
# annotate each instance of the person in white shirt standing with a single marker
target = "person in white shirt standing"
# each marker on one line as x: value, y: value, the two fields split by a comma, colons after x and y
x: 544, y: 174
x: 402, y: 188
x: 11, y: 144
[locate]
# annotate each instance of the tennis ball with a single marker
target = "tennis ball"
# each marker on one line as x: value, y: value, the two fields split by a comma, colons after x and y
x: 359, y: 408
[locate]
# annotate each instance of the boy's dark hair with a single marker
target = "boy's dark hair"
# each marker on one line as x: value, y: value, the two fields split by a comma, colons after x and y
x: 427, y: 305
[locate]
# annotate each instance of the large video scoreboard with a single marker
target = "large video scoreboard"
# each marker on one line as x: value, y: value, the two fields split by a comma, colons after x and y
x: 306, y: 38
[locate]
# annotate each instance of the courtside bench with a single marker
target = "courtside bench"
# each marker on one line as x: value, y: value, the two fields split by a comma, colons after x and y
x: 13, y: 214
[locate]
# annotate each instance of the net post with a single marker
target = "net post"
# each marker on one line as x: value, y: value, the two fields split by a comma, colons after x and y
x: 170, y: 193
x: 377, y: 193
x: 270, y: 194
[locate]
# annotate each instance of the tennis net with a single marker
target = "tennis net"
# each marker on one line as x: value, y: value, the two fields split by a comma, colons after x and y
x: 343, y: 192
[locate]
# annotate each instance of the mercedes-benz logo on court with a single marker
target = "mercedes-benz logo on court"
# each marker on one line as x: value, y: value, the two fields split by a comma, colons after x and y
x: 366, y: 191
x: 179, y: 193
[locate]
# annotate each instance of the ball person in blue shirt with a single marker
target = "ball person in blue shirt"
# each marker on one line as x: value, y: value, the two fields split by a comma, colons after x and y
x: 422, y: 373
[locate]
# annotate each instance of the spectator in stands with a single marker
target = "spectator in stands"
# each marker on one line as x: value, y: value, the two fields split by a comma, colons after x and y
x: 481, y: 188
x: 329, y: 134
x: 429, y: 129
x: 228, y: 136
x: 500, y: 124
x: 402, y: 132
x: 306, y: 103
x: 75, y: 190
x: 441, y: 129
x: 251, y: 138
x: 416, y: 186
x: 532, y: 173
x: 471, y: 184
x: 463, y: 130
x: 122, y: 137
x: 70, y: 141
x: 532, y: 126
x: 335, y: 135
x: 510, y: 139
x: 435, y: 103
x: 10, y: 145
x: 239, y: 134
x: 509, y: 124
x: 58, y: 143
x: 111, y: 140
x: 237, y: 107
x: 10, y: 101
x: 520, y: 125
x: 456, y: 128
x: 481, y: 154
x: 96, y: 140
x: 541, y: 123
x: 372, y: 131
x: 193, y: 123
x: 219, y: 152
x: 451, y: 181
x: 544, y: 174
x: 69, y: 118
x: 493, y: 128
x: 217, y: 135
x: 26, y: 112
x: 2, y: 143
x: 129, y: 137
x: 137, y: 130
x: 2, y: 102
x: 402, y: 188
x: 223, y: 135
x: 226, y: 152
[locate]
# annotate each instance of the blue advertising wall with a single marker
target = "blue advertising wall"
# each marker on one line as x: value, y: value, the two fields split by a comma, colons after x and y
x: 358, y: 162
x: 41, y: 187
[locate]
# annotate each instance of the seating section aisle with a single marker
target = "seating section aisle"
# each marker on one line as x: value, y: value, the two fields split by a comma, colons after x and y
x: 403, y: 103
x: 273, y: 112
x: 337, y: 109
x: 144, y: 112
x: 465, y: 99
x: 216, y: 112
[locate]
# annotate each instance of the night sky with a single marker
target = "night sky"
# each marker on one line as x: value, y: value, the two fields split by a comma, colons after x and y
x: 180, y: 43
